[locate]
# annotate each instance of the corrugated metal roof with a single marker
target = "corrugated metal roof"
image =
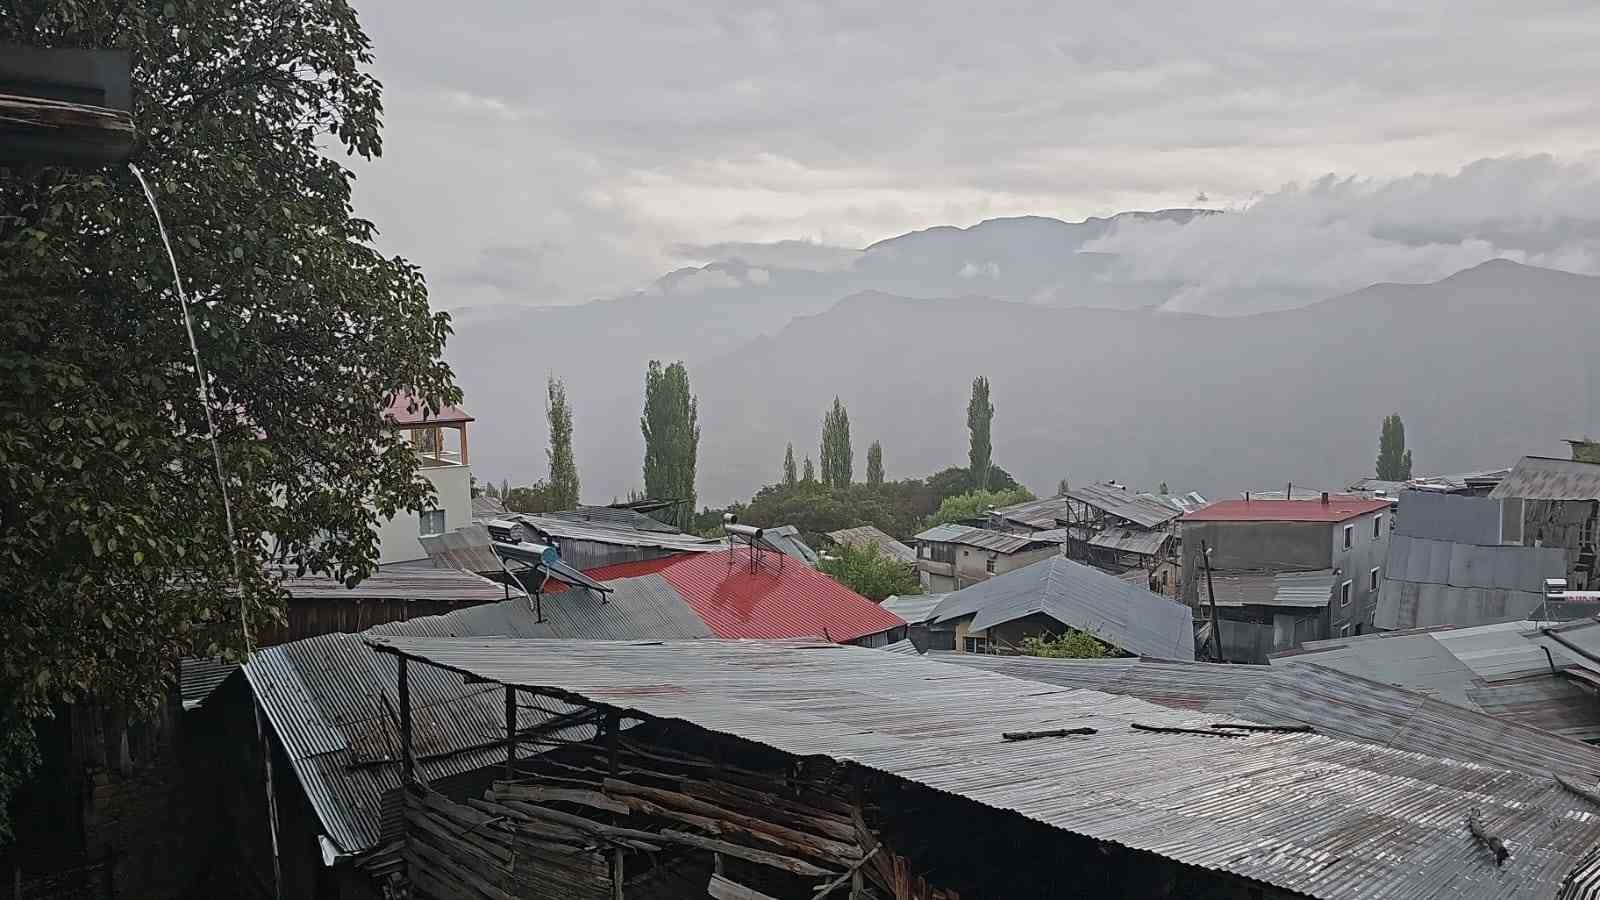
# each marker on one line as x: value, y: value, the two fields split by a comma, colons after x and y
x: 409, y: 583
x: 870, y: 536
x: 786, y: 540
x: 1124, y: 505
x: 1337, y: 509
x: 1301, y: 590
x: 621, y: 518
x: 1304, y: 813
x: 902, y: 646
x: 487, y: 507
x: 333, y: 704
x: 776, y: 601
x: 1428, y: 582
x: 551, y: 527
x: 198, y: 676
x: 914, y: 608
x: 1131, y: 540
x: 1083, y: 598
x: 1446, y: 484
x: 1499, y: 669
x: 1542, y: 478
x: 984, y: 538
x: 1335, y: 703
x: 1041, y: 514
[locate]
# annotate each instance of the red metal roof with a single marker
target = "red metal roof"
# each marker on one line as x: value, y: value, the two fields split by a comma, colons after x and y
x: 797, y: 602
x: 1337, y: 509
x: 399, y: 411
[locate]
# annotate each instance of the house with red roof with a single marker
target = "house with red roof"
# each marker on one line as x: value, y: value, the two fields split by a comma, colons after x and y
x: 1282, y: 572
x: 765, y: 595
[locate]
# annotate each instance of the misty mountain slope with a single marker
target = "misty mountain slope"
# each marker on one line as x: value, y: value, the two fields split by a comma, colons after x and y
x: 501, y: 354
x: 1484, y: 366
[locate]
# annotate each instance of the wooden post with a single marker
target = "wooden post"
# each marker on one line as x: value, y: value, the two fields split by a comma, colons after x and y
x: 613, y: 732
x: 858, y: 886
x: 408, y: 774
x: 1216, y: 624
x: 616, y: 874
x: 511, y: 731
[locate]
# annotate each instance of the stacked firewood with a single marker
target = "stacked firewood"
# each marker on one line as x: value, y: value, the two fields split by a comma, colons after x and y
x: 640, y: 820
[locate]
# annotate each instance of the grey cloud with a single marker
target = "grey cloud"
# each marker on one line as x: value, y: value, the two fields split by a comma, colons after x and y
x: 1304, y: 243
x: 614, y: 133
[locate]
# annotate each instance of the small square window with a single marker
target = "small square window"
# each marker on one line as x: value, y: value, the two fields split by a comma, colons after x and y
x: 1344, y: 593
x: 1373, y: 576
x: 1377, y: 528
x: 1349, y: 536
x: 989, y: 565
x: 431, y: 522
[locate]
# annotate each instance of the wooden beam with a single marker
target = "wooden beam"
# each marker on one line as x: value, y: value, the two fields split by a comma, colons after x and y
x: 824, y: 848
x: 722, y: 888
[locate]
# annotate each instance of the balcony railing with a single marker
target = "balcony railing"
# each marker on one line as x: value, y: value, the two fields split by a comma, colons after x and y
x: 434, y: 459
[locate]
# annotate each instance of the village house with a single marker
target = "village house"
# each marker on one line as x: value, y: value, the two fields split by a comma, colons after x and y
x: 1049, y: 598
x: 440, y: 443
x: 868, y: 536
x: 1284, y: 571
x: 1556, y: 503
x: 951, y: 557
x: 1109, y: 527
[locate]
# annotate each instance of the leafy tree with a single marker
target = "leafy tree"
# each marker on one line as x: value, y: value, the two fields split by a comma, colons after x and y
x: 1062, y: 487
x: 980, y: 417
x: 976, y: 505
x: 112, y: 528
x: 564, y: 486
x: 1162, y: 490
x: 505, y: 487
x: 1394, y: 460
x: 1073, y: 644
x: 671, y: 439
x: 19, y: 757
x: 958, y: 480
x: 789, y: 475
x: 808, y: 475
x: 533, y: 498
x: 838, y: 461
x: 875, y: 463
x: 864, y: 569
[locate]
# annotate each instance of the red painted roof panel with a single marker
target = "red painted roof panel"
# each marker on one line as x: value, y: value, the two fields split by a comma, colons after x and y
x: 769, y: 604
x: 1337, y: 509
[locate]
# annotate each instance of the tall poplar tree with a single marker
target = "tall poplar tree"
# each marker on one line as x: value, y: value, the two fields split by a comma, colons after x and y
x: 1394, y: 460
x: 980, y: 416
x: 671, y: 439
x: 875, y: 463
x: 838, y: 460
x: 789, y: 474
x: 564, y: 486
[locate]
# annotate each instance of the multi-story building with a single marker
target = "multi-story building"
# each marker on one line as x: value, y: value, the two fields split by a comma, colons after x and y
x: 951, y: 557
x: 1344, y: 539
x: 440, y: 442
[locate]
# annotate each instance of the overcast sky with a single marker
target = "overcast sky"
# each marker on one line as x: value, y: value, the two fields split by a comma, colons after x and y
x: 557, y: 152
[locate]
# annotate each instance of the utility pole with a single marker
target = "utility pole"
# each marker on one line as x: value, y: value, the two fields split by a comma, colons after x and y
x: 1216, y: 624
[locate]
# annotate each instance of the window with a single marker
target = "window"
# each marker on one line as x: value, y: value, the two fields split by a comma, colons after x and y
x: 977, y: 645
x: 1377, y: 528
x: 431, y: 522
x: 1349, y: 536
x: 1344, y: 630
x: 989, y: 565
x: 1344, y: 593
x: 1373, y: 579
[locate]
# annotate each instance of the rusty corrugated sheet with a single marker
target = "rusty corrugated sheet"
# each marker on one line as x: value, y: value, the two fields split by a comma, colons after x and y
x: 1304, y: 813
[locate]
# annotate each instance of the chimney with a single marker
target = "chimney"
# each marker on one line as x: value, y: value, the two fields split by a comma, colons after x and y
x: 1288, y: 492
x: 1324, y: 498
x: 1247, y: 496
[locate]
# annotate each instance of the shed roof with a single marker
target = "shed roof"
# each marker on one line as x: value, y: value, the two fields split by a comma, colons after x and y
x: 786, y: 540
x: 1431, y: 582
x: 1130, y: 540
x: 407, y: 412
x: 967, y: 535
x: 1500, y: 669
x: 331, y: 702
x: 870, y: 536
x: 620, y: 517
x: 1543, y: 478
x: 399, y: 583
x: 1123, y: 504
x: 916, y: 609
x: 1337, y: 509
x: 1304, y: 813
x: 1081, y: 597
x: 1336, y: 703
x: 787, y: 601
x: 605, y: 532
x: 1041, y: 514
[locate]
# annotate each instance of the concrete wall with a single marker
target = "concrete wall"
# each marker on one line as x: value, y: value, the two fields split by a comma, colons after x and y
x: 1562, y: 523
x: 452, y: 486
x: 1355, y: 565
x: 972, y: 566
x: 1254, y: 546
